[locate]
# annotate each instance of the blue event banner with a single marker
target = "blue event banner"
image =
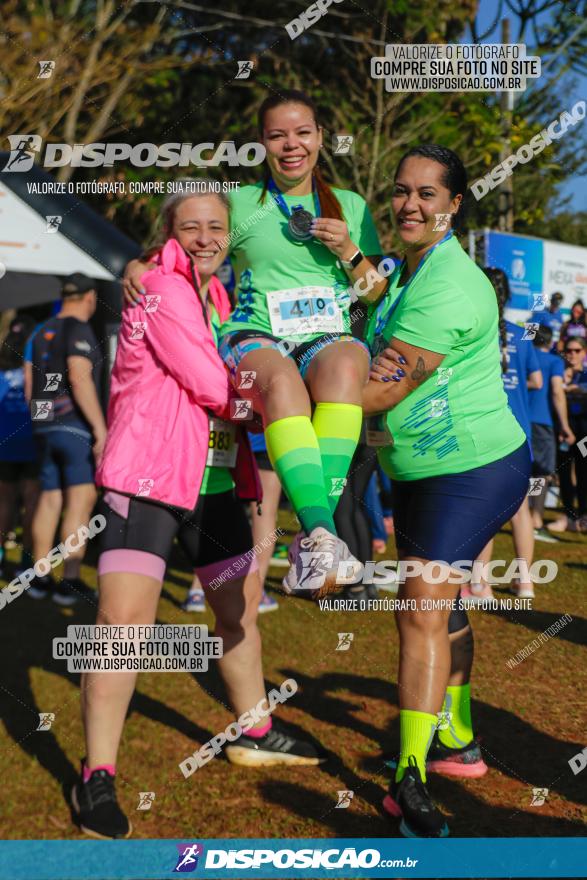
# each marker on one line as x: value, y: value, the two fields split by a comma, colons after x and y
x: 257, y: 858
x: 522, y: 260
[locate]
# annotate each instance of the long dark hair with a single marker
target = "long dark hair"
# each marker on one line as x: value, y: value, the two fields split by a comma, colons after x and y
x: 578, y: 302
x: 543, y: 337
x: 454, y: 177
x: 329, y: 204
x: 12, y: 347
x: 501, y: 286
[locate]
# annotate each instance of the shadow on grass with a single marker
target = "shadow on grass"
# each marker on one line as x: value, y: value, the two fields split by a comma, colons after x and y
x: 510, y: 745
x: 29, y: 627
x: 518, y: 750
x: 467, y: 814
x: 539, y: 621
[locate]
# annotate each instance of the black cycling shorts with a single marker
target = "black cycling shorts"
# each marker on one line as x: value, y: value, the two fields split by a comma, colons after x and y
x: 213, y: 536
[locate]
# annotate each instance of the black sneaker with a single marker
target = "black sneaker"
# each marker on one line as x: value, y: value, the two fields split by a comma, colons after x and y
x: 96, y: 808
x: 361, y: 594
x: 276, y: 747
x: 41, y: 587
x: 466, y: 762
x: 409, y: 799
x: 71, y: 591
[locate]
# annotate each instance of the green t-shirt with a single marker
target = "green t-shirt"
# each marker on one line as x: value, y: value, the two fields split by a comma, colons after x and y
x: 266, y: 260
x: 216, y: 479
x: 458, y: 418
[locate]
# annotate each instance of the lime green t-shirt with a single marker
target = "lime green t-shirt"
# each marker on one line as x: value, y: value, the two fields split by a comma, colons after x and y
x: 267, y: 260
x: 216, y: 479
x: 458, y: 418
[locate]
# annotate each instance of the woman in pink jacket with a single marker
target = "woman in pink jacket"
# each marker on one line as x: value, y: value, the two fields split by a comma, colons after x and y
x: 176, y: 466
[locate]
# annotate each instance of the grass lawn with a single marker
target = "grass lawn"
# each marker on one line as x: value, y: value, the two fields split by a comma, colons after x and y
x: 531, y: 719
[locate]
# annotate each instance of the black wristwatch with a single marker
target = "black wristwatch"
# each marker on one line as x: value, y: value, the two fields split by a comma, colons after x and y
x: 354, y: 260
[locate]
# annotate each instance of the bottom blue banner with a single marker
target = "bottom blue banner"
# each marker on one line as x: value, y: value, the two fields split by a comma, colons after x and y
x: 258, y: 858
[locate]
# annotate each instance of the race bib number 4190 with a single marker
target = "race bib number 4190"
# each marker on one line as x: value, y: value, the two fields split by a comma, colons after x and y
x: 304, y: 310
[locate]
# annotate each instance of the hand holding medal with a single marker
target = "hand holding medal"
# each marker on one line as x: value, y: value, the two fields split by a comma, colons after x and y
x: 299, y: 221
x: 334, y: 234
x: 302, y: 226
x: 299, y: 224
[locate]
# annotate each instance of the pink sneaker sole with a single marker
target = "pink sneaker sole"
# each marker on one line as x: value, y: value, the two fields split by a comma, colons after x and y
x: 454, y: 768
x: 390, y: 806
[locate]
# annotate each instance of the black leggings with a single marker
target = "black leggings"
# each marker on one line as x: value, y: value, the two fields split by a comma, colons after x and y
x: 350, y: 518
x: 565, y: 459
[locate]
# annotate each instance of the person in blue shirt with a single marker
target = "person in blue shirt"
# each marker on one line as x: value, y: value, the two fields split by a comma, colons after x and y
x: 574, y: 494
x: 18, y: 466
x: 521, y: 372
x: 62, y: 368
x: 551, y: 317
x: 543, y: 403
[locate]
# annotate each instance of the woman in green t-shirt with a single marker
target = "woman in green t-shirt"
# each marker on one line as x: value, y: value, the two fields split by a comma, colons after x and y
x: 458, y: 459
x: 302, y: 252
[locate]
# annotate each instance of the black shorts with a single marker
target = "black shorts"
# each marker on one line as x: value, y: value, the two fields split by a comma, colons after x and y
x: 14, y: 471
x: 139, y: 535
x: 543, y: 450
x: 451, y: 517
x: 263, y: 460
x: 65, y: 456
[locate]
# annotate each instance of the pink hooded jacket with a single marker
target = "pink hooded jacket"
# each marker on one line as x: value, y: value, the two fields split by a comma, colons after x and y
x: 167, y: 377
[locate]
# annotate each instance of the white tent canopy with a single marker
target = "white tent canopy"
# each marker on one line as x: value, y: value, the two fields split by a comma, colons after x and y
x: 26, y: 246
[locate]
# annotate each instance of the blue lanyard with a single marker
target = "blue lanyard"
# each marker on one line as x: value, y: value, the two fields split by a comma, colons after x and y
x: 281, y: 203
x: 384, y: 314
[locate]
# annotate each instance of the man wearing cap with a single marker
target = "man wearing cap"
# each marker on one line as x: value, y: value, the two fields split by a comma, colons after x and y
x: 62, y: 369
x: 551, y: 317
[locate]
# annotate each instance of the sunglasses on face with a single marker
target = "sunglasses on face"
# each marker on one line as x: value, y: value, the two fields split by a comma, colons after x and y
x: 573, y: 350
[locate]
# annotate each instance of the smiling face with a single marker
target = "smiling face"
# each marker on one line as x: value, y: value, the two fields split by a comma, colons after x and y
x: 419, y: 195
x: 292, y: 140
x: 200, y: 223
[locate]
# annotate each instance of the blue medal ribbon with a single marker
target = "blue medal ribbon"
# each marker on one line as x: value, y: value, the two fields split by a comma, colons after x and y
x: 282, y: 204
x: 384, y: 313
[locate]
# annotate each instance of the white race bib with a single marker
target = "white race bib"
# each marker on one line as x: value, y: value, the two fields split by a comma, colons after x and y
x: 222, y: 445
x: 304, y: 310
x: 377, y: 433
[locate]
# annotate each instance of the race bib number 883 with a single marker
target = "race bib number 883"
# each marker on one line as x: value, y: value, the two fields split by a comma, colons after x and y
x: 222, y: 445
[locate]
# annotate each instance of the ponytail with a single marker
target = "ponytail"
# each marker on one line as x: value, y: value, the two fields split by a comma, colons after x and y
x: 329, y: 204
x: 503, y: 341
x: 501, y: 286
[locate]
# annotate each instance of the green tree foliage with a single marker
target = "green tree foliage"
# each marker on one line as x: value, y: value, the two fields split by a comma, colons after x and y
x: 142, y: 71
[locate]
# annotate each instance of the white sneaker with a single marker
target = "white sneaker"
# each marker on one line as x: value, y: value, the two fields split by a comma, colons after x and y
x: 352, y: 569
x: 294, y: 547
x: 522, y: 591
x: 315, y: 563
x: 478, y: 594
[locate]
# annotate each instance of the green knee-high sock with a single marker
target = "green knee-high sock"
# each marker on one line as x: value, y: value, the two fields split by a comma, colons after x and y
x: 295, y: 456
x: 337, y: 427
x: 416, y: 733
x: 457, y: 701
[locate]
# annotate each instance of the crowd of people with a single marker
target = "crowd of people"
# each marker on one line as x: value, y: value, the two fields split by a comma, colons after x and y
x: 379, y: 396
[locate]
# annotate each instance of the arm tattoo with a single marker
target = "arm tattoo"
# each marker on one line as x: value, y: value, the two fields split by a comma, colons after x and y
x: 420, y: 373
